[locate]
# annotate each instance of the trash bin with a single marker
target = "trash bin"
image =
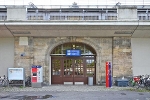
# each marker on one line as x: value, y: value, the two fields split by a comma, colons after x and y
x: 122, y: 82
x: 90, y: 80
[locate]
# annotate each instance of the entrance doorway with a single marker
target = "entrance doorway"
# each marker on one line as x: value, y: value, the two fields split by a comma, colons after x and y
x: 73, y: 70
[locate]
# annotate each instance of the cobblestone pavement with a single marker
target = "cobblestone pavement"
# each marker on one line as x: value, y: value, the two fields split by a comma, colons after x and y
x: 64, y: 88
x: 71, y: 92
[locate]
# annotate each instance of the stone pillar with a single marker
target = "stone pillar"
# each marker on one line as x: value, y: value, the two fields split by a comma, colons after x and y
x: 24, y: 55
x: 40, y: 47
x: 106, y: 55
x: 127, y: 13
x: 122, y: 61
x: 16, y: 13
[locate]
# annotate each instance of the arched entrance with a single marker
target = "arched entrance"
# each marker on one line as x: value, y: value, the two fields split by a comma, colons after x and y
x: 73, y: 68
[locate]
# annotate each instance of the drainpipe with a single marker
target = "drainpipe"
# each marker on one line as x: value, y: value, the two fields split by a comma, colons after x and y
x: 135, y: 29
x: 8, y: 29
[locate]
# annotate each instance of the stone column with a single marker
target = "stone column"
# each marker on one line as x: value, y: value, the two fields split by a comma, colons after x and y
x: 122, y: 61
x: 24, y: 55
x: 127, y: 13
x: 16, y: 13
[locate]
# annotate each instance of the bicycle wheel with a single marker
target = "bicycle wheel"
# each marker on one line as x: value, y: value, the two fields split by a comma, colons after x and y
x: 1, y: 84
x: 28, y: 83
x: 137, y: 85
x: 147, y: 86
x: 5, y: 83
x: 130, y: 83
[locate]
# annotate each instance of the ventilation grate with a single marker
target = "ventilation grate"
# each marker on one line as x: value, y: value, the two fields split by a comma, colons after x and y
x: 21, y: 32
x: 123, y: 32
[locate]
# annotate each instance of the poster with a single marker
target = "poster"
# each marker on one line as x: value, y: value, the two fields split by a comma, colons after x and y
x: 15, y: 73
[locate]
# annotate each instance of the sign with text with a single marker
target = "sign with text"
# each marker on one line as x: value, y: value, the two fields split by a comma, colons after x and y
x: 16, y: 74
x: 73, y: 52
x: 108, y: 74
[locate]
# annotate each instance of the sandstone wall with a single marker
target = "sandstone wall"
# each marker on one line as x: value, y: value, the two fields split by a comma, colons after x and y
x: 26, y: 60
x: 116, y: 50
x: 122, y: 57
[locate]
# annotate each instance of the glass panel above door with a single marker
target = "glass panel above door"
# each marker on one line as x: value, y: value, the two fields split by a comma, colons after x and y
x: 85, y: 49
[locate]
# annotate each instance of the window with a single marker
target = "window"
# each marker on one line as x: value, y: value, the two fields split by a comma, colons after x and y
x: 85, y: 49
x: 90, y: 67
x: 148, y: 17
x: 40, y: 17
x: 91, y: 17
x: 29, y: 17
x: 73, y: 18
x: 56, y: 67
x: 142, y: 17
x: 111, y: 17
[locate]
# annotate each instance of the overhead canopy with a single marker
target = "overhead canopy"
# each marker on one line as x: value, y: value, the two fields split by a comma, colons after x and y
x: 75, y: 28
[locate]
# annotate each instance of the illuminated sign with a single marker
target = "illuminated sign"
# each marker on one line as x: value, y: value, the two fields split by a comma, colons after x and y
x: 73, y: 52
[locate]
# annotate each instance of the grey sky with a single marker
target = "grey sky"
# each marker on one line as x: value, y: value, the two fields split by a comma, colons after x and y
x: 79, y: 2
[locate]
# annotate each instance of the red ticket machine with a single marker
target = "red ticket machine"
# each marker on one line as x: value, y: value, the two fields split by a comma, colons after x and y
x: 36, y: 76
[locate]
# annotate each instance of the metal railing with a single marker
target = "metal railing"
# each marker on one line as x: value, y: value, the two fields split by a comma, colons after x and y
x: 81, y: 14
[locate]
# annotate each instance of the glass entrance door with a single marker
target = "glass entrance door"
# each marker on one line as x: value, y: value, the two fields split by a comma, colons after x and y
x: 68, y: 65
x: 73, y: 70
x: 79, y: 71
x: 57, y: 70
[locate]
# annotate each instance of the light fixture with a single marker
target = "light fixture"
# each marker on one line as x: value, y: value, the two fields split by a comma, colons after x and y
x: 73, y: 45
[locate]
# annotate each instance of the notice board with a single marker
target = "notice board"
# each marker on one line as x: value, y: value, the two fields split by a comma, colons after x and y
x: 16, y: 74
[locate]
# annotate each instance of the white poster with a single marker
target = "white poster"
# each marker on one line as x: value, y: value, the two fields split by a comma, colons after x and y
x: 15, y: 73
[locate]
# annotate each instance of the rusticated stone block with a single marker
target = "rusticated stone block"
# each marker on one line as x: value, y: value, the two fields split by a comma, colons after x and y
x: 122, y: 61
x: 116, y: 50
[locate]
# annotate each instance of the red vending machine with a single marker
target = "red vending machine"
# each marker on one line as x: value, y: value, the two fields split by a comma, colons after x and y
x: 36, y: 76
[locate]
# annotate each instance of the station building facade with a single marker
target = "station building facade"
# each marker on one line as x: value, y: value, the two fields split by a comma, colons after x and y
x: 41, y: 36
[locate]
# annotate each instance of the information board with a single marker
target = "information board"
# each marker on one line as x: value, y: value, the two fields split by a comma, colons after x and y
x: 16, y: 74
x: 73, y: 52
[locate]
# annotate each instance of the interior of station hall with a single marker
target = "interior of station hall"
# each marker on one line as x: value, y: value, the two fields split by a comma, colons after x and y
x: 33, y: 35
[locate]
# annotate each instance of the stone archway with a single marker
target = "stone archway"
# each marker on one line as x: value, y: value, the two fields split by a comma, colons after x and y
x: 39, y: 49
x: 57, y: 41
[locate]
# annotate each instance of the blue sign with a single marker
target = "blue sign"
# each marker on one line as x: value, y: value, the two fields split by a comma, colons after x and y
x: 38, y: 66
x: 73, y: 53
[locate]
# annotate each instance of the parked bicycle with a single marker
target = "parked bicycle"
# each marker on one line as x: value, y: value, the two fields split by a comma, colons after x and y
x: 144, y: 82
x: 28, y: 81
x: 147, y: 84
x: 4, y: 81
x: 133, y: 81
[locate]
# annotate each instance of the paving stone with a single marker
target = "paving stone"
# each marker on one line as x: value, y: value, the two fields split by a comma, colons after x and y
x: 64, y: 88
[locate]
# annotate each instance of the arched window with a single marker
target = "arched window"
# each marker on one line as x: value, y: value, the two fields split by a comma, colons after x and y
x: 85, y: 49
